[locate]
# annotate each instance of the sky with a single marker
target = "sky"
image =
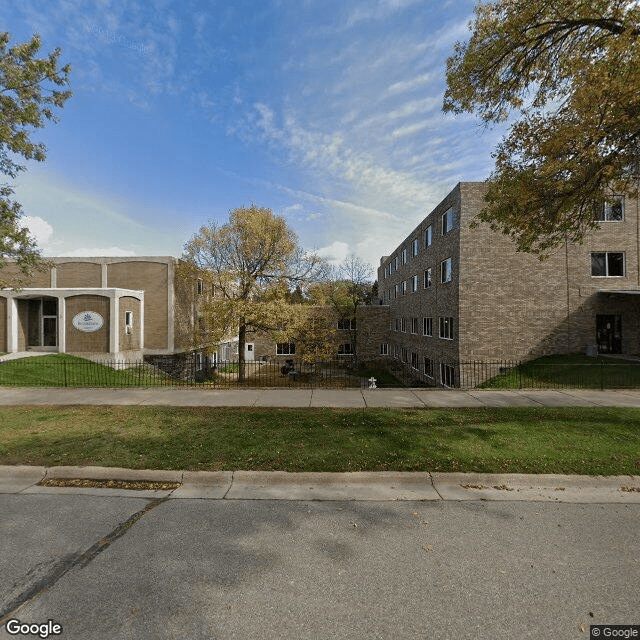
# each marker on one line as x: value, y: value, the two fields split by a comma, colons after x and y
x: 327, y: 112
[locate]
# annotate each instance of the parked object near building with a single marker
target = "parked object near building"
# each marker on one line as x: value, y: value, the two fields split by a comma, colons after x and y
x: 458, y: 293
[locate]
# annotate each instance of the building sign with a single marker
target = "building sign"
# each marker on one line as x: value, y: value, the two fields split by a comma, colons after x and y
x: 88, y: 321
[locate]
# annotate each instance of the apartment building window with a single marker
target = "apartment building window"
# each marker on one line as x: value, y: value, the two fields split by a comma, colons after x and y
x: 285, y: 348
x: 347, y: 325
x: 396, y: 350
x: 396, y: 263
x: 414, y: 283
x: 414, y: 360
x: 427, y: 278
x: 404, y: 355
x: 428, y: 236
x: 607, y: 264
x: 612, y: 211
x: 448, y: 220
x: 404, y: 325
x: 427, y: 327
x: 397, y: 324
x: 404, y: 287
x: 445, y: 270
x: 404, y: 256
x: 428, y: 367
x: 446, y: 327
x: 415, y: 246
x: 414, y: 325
x: 384, y: 349
x: 395, y: 290
x: 199, y: 287
x: 345, y: 349
x: 386, y: 271
x: 447, y: 375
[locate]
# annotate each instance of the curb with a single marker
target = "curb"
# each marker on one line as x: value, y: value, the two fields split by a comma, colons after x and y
x: 362, y: 485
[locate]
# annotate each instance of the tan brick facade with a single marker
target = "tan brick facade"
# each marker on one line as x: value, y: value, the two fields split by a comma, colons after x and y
x: 81, y: 341
x: 504, y: 304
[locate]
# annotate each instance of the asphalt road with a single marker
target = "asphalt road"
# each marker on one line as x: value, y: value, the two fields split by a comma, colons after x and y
x: 134, y: 568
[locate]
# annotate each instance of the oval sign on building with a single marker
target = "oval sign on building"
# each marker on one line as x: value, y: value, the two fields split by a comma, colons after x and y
x: 88, y: 321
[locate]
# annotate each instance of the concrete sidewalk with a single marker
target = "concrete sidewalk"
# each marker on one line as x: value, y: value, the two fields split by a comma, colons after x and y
x: 337, y: 398
x: 380, y: 486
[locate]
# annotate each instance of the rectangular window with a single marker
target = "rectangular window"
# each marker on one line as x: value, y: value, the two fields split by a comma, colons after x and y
x: 427, y: 326
x: 414, y: 283
x: 285, y: 348
x: 428, y: 367
x: 386, y: 271
x: 607, y: 264
x: 414, y: 360
x: 415, y: 247
x: 404, y: 355
x: 404, y: 325
x: 397, y: 324
x: 404, y: 256
x: 395, y: 290
x: 446, y: 327
x: 345, y: 349
x: 384, y: 349
x: 128, y: 321
x: 428, y: 236
x: 448, y: 220
x: 347, y: 325
x: 396, y: 263
x: 427, y: 278
x: 612, y: 211
x: 404, y: 287
x: 447, y: 375
x: 445, y: 270
x: 199, y: 286
x: 414, y: 325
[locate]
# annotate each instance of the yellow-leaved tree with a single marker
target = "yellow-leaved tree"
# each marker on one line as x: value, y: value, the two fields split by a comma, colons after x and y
x: 253, y: 262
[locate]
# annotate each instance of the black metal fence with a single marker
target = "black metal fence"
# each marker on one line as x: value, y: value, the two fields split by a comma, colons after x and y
x: 538, y: 374
x: 51, y: 371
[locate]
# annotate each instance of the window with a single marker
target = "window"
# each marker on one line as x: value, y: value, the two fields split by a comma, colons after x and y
x: 404, y: 256
x: 404, y: 325
x: 448, y: 220
x: 427, y: 326
x: 415, y: 247
x: 447, y: 375
x: 395, y: 290
x: 199, y: 361
x: 414, y: 360
x: 386, y: 271
x: 345, y: 349
x: 396, y: 263
x: 128, y: 321
x: 199, y: 286
x: 384, y: 349
x: 347, y: 325
x: 414, y: 283
x: 414, y: 325
x: 446, y: 327
x: 404, y: 355
x: 404, y: 287
x: 608, y: 264
x: 612, y: 211
x: 427, y: 278
x: 428, y: 367
x: 445, y: 270
x: 397, y: 324
x: 428, y: 236
x: 285, y: 348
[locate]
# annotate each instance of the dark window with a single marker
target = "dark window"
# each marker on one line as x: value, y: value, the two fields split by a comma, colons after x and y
x: 612, y: 211
x: 285, y: 348
x: 607, y: 264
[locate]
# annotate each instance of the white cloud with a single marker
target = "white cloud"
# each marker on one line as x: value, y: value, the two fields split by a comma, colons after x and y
x: 334, y: 253
x: 40, y: 230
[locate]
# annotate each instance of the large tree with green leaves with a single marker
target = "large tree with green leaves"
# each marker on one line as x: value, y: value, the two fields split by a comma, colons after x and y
x: 28, y: 97
x: 252, y: 262
x: 570, y: 73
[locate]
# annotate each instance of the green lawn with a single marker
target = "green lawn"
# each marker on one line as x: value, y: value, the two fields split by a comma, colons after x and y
x: 571, y: 371
x: 63, y: 370
x: 594, y: 441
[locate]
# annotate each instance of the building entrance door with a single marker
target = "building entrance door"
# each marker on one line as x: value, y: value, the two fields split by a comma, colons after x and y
x: 42, y: 323
x: 609, y: 333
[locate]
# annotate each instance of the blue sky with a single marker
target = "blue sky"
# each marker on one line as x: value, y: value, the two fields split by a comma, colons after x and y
x: 327, y: 112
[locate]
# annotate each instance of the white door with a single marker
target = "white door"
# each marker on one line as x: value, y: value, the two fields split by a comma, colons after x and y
x: 248, y: 352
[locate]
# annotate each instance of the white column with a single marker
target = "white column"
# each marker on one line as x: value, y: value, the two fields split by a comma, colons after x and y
x: 12, y: 325
x: 114, y: 323
x: 141, y: 321
x: 62, y: 324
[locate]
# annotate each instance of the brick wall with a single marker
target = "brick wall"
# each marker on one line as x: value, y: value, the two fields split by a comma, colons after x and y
x: 129, y: 341
x: 82, y: 341
x: 78, y: 275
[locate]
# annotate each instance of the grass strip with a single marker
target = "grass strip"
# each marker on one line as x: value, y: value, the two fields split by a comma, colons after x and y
x: 583, y: 440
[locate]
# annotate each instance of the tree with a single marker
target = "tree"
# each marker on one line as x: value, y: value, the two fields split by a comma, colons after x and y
x: 27, y: 101
x: 570, y: 71
x: 252, y: 262
x: 349, y: 287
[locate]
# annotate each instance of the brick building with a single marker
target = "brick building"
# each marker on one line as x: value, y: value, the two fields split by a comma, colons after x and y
x: 457, y: 294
